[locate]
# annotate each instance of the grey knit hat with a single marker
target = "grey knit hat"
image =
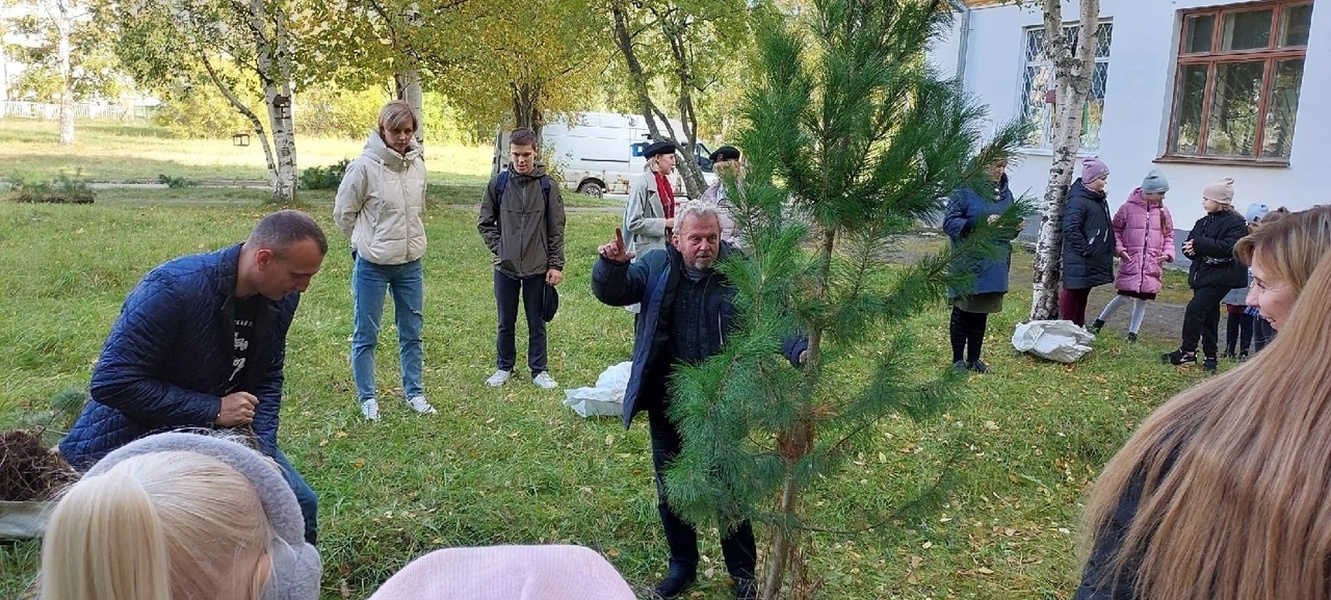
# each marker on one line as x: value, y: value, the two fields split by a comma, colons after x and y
x: 1155, y: 183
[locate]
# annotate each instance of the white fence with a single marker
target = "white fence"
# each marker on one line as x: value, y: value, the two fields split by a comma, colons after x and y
x: 39, y: 110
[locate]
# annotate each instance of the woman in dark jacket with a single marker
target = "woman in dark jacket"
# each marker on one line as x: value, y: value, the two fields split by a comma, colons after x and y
x: 1213, y: 273
x: 1088, y: 240
x: 966, y: 210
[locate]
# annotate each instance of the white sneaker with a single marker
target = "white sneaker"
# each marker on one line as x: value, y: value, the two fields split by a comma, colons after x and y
x: 545, y: 381
x: 370, y: 408
x: 499, y: 378
x: 419, y: 405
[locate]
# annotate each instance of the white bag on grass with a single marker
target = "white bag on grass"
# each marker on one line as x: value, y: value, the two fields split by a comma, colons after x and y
x: 607, y: 398
x: 1061, y: 340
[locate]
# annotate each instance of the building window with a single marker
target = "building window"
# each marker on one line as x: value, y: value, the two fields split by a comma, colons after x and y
x: 1236, y: 90
x: 1037, y: 99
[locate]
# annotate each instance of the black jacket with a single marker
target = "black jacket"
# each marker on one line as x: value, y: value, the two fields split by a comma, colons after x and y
x: 1088, y: 239
x: 653, y: 280
x: 1213, y: 261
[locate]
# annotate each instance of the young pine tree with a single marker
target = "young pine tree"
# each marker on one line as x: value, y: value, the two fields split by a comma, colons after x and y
x: 852, y: 140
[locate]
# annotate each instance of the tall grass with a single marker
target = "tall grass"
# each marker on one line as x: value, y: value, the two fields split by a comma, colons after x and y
x: 512, y: 465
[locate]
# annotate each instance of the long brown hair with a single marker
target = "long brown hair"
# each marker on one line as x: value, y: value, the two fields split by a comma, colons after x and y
x: 1236, y: 476
x: 1290, y: 244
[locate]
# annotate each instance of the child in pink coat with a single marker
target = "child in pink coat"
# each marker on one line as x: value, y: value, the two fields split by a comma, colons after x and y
x: 1144, y: 236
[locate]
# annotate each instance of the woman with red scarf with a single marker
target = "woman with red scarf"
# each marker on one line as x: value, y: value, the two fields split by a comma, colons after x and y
x: 650, y: 213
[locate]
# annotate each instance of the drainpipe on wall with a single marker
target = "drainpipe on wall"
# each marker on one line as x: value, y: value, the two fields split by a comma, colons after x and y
x: 965, y: 39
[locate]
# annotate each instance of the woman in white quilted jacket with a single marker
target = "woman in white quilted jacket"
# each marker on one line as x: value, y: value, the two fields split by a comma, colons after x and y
x: 379, y: 207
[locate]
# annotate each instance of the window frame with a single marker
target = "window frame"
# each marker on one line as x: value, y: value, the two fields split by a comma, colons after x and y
x: 1269, y: 56
x: 1046, y: 143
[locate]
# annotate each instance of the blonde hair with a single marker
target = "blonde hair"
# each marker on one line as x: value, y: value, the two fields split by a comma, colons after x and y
x: 1290, y: 244
x: 397, y: 115
x: 157, y: 526
x: 1235, y: 476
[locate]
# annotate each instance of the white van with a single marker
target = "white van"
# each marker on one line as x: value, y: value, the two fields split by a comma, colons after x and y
x: 599, y: 153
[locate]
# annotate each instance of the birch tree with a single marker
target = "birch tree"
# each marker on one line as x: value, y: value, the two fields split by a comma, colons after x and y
x: 67, y: 58
x: 1074, y: 63
x: 206, y: 42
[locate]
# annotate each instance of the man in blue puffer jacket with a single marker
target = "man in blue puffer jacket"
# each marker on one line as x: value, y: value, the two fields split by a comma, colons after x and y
x: 685, y: 318
x: 201, y: 342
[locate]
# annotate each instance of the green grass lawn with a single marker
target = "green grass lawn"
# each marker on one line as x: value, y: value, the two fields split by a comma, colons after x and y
x: 512, y: 465
x: 136, y: 151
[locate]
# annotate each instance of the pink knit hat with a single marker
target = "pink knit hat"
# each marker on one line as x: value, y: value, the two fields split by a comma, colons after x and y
x: 507, y: 573
x: 1092, y: 169
x: 1221, y: 191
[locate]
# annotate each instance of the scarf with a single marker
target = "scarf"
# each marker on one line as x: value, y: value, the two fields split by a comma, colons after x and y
x: 666, y: 194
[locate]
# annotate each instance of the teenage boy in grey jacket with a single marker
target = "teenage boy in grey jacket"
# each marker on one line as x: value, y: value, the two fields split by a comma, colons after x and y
x: 522, y: 223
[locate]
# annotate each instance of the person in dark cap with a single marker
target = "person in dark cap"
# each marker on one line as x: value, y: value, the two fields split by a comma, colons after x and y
x: 725, y: 163
x: 649, y: 216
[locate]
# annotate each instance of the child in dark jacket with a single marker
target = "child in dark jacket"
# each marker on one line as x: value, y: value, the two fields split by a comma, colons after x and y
x: 1213, y: 273
x: 1239, y: 321
x: 1088, y: 241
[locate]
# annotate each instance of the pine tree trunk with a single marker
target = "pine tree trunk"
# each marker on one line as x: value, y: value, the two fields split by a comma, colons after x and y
x: 66, y: 76
x: 1073, y: 67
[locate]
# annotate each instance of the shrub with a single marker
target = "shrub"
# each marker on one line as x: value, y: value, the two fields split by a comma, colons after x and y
x: 176, y: 182
x: 65, y: 189
x: 324, y: 178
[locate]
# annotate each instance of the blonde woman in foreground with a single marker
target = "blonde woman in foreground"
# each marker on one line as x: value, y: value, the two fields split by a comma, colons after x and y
x: 175, y: 516
x: 1224, y: 492
x: 182, y: 516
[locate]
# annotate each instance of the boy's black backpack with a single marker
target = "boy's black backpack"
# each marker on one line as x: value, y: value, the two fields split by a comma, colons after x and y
x: 502, y: 184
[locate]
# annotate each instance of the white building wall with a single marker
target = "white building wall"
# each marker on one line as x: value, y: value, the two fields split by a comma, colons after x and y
x: 1137, y: 104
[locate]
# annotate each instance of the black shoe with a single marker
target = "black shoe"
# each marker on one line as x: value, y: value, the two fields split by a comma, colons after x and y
x: 1208, y: 365
x: 1132, y: 338
x: 979, y: 366
x: 1096, y: 326
x: 1179, y: 357
x: 961, y: 365
x: 746, y: 589
x: 1227, y: 354
x: 674, y: 584
x: 1243, y: 356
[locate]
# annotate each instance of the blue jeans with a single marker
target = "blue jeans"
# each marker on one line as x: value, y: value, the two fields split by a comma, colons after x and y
x: 309, y: 503
x: 532, y: 289
x: 369, y: 282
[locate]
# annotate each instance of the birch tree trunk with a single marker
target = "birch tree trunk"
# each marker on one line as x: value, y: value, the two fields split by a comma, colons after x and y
x: 273, y: 61
x: 1073, y: 67
x: 64, y: 24
x: 408, y: 88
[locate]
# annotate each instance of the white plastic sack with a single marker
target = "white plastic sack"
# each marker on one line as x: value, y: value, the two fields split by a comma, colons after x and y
x: 1061, y: 340
x: 607, y: 398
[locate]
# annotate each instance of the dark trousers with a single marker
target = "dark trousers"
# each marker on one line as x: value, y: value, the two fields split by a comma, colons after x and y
x: 1238, y: 332
x: 532, y: 289
x: 966, y: 330
x: 1262, y: 334
x: 1072, y: 304
x: 309, y: 503
x: 1201, y: 319
x: 738, y: 546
